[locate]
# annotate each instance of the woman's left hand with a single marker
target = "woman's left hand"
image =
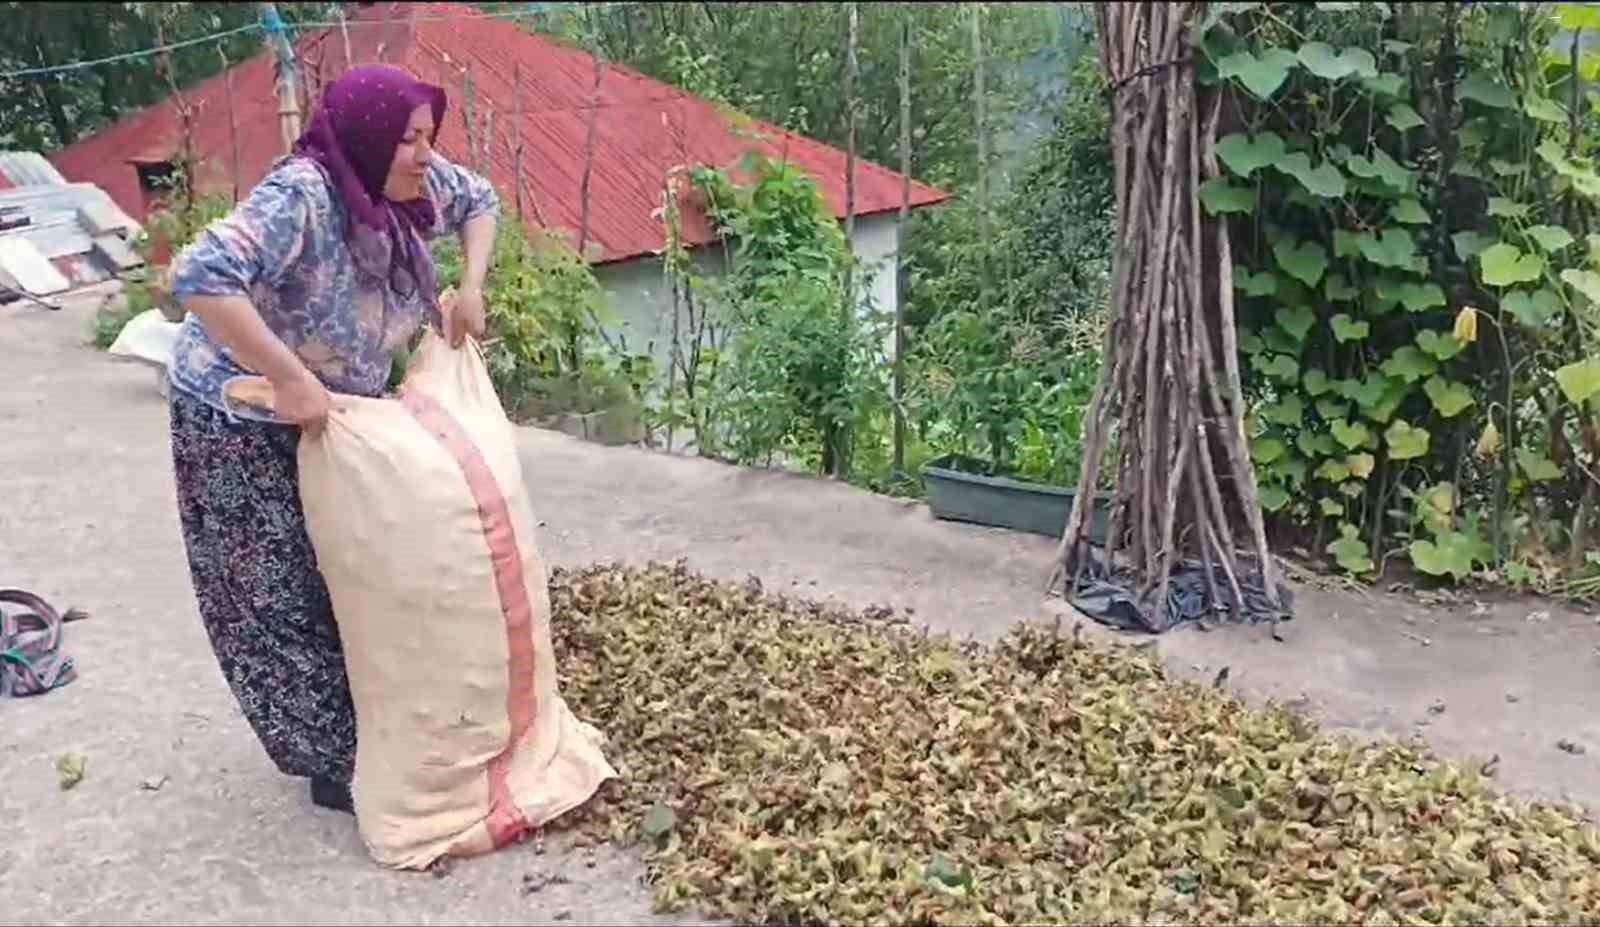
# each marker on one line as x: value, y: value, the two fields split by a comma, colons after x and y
x: 462, y: 312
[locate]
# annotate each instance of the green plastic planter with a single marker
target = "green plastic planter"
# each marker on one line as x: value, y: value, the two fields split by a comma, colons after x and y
x: 955, y: 493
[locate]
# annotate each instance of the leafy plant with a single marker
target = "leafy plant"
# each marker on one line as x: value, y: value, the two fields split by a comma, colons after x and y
x: 1410, y: 284
x: 542, y: 301
x: 799, y: 366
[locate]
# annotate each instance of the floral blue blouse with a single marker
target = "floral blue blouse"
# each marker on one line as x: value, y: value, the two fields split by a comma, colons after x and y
x: 284, y: 248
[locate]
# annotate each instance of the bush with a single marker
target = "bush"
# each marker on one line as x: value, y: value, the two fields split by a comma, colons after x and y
x: 544, y: 308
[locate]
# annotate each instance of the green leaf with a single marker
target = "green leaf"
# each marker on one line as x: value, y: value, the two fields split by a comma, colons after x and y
x: 1279, y: 367
x: 1395, y: 248
x: 1403, y: 117
x: 1324, y: 180
x: 1409, y: 364
x: 1381, y: 167
x: 1332, y: 410
x: 1261, y: 76
x: 1504, y: 168
x: 1327, y: 63
x: 1244, y: 155
x: 1273, y: 498
x: 1221, y: 197
x: 1350, y: 434
x: 1535, y: 309
x: 1289, y: 469
x: 1405, y: 441
x: 1331, y: 507
x: 1297, y: 321
x: 1443, y: 347
x: 1287, y: 411
x: 1366, y: 392
x: 1507, y: 209
x: 1333, y: 471
x: 1583, y: 177
x: 1451, y: 399
x: 944, y: 872
x: 1586, y: 282
x: 1538, y: 467
x: 1410, y: 212
x: 1316, y: 382
x: 1360, y: 465
x: 1469, y: 244
x: 1251, y: 343
x: 1215, y: 12
x: 1483, y: 88
x: 658, y: 822
x: 1391, y: 394
x: 1280, y: 341
x: 1551, y: 238
x: 1505, y: 265
x: 1345, y: 329
x: 1350, y: 552
x: 1315, y: 445
x: 1337, y: 289
x: 1304, y: 262
x: 1264, y: 283
x: 1581, y: 380
x: 1545, y: 109
x: 1387, y: 292
x: 1449, y: 554
x: 1265, y: 450
x: 1385, y: 85
x: 1346, y: 244
x: 1572, y: 16
x: 1420, y: 297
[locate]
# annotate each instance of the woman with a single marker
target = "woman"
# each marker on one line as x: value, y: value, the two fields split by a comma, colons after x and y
x: 314, y: 281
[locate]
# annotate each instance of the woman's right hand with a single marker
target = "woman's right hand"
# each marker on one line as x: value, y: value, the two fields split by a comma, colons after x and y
x: 304, y: 401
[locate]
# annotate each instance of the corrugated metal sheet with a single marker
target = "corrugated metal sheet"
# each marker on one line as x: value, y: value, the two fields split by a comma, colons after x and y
x: 28, y: 169
x: 59, y: 216
x: 643, y: 128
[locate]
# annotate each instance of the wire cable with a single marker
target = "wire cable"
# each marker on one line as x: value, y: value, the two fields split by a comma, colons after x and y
x: 537, y: 9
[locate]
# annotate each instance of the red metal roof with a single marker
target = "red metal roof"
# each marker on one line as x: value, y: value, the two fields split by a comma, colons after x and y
x: 643, y: 128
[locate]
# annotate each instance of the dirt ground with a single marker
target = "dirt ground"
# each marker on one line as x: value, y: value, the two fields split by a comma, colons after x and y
x: 182, y: 819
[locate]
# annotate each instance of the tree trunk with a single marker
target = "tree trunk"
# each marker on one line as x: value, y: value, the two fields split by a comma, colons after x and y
x: 1169, y: 389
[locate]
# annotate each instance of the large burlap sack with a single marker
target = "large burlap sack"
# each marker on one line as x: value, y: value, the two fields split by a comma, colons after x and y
x: 422, y: 527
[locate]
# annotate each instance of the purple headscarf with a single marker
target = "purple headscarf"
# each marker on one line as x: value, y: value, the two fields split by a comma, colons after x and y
x: 353, y: 135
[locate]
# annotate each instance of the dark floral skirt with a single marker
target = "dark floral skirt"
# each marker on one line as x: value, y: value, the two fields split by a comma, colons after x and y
x: 261, y: 596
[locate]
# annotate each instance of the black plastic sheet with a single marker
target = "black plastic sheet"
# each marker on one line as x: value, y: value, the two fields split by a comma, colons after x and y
x: 1109, y: 597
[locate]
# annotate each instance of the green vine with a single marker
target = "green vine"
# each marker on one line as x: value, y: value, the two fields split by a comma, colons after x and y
x: 1419, y: 323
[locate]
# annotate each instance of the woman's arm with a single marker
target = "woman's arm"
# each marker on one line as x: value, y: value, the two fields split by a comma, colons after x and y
x: 257, y: 242
x: 467, y: 204
x: 467, y: 315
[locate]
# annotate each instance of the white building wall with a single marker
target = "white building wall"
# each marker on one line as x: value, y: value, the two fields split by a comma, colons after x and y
x: 641, y: 297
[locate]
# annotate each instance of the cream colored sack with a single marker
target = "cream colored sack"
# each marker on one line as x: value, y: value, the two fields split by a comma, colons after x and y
x: 422, y: 527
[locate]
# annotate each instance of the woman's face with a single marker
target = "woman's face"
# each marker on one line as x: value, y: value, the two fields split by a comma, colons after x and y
x: 411, y: 157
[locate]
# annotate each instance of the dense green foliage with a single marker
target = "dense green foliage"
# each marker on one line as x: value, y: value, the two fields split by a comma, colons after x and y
x: 1005, y: 346
x: 1411, y: 194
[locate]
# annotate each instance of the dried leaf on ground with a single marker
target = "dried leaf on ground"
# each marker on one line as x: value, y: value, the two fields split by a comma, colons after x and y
x: 69, y: 770
x: 825, y: 768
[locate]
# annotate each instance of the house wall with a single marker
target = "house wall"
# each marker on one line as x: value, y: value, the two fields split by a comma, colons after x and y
x: 641, y: 298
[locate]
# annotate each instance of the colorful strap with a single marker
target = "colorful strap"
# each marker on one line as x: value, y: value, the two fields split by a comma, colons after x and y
x: 31, y: 661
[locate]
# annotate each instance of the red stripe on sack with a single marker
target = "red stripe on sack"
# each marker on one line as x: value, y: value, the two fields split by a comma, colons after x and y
x: 505, y: 822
